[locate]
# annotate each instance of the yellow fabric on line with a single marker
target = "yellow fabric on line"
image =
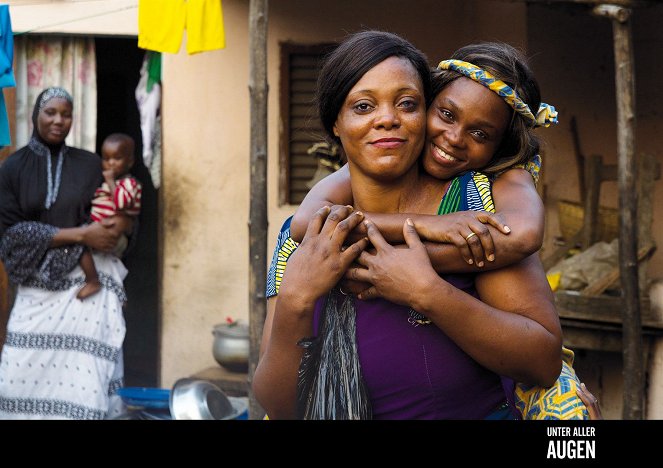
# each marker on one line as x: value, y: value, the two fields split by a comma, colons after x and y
x: 161, y: 24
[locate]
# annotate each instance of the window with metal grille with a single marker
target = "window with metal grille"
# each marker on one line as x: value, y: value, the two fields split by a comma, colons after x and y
x: 300, y: 126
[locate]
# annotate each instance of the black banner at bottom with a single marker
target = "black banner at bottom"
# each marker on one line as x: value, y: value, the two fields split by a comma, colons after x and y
x: 308, y: 443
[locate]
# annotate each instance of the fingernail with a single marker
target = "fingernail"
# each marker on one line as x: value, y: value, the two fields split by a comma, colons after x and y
x: 491, y: 258
x: 359, y: 213
x: 470, y: 261
x: 480, y: 264
x: 507, y: 229
x: 350, y: 206
x: 409, y: 222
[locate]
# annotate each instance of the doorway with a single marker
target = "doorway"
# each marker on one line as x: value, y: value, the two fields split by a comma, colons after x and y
x: 118, y: 71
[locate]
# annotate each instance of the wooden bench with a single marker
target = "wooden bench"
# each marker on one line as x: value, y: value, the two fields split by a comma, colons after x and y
x: 595, y: 323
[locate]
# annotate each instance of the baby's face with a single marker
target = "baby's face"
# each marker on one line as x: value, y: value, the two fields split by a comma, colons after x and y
x: 115, y: 157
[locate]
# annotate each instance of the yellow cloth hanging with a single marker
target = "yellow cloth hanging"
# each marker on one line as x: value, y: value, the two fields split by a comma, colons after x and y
x: 162, y: 22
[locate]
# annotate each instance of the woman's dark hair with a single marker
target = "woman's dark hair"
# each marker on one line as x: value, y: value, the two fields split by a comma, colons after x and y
x: 355, y: 56
x: 505, y: 63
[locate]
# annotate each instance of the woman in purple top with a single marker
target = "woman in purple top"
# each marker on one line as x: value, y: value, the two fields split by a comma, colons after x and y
x: 413, y: 370
x: 376, y: 86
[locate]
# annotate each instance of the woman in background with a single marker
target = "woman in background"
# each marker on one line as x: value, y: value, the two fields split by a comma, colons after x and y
x: 62, y: 357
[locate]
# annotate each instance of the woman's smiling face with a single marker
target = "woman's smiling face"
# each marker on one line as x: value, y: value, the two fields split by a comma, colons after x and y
x: 382, y: 121
x: 465, y: 126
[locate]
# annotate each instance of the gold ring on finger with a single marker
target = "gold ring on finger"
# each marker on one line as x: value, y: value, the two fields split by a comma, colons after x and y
x: 470, y: 235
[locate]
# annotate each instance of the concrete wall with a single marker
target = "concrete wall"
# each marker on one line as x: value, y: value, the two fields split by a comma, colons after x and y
x: 205, y: 196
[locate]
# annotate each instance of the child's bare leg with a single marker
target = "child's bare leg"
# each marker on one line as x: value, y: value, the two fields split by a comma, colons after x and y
x: 92, y: 284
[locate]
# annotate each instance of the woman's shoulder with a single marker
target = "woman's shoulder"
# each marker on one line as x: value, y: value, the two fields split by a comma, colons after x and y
x: 14, y: 160
x: 472, y: 179
x: 477, y: 188
x: 533, y: 166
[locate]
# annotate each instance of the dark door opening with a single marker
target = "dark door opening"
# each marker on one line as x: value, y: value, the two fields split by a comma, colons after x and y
x: 118, y: 71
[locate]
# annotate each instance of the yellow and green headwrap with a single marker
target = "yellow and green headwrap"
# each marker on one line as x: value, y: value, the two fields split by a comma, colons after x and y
x: 546, y: 114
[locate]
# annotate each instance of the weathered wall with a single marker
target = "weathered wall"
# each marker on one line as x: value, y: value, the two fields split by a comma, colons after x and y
x: 205, y: 196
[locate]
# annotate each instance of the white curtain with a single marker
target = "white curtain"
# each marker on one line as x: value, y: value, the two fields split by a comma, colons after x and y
x: 68, y: 62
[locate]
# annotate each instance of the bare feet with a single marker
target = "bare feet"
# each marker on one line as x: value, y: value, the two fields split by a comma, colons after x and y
x: 88, y: 289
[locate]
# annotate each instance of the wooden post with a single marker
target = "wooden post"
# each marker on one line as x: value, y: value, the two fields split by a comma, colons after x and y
x: 593, y: 166
x: 647, y: 174
x: 580, y: 160
x: 258, y: 91
x: 634, y: 388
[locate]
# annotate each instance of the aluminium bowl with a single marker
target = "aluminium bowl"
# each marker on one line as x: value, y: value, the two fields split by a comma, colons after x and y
x: 195, y: 399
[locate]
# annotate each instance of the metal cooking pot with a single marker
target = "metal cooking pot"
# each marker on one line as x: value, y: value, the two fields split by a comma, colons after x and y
x: 198, y: 400
x: 231, y: 346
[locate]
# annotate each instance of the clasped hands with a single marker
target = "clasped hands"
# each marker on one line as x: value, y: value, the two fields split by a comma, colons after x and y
x: 370, y: 267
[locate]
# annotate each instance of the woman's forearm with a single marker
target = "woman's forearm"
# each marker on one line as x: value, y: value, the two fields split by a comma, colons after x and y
x: 513, y: 330
x: 518, y: 206
x: 446, y: 258
x: 313, y: 270
x: 275, y: 378
x: 68, y: 236
x: 95, y: 236
x: 443, y: 232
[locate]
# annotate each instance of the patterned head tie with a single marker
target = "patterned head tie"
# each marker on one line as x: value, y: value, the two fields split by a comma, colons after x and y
x: 54, y: 92
x: 546, y: 114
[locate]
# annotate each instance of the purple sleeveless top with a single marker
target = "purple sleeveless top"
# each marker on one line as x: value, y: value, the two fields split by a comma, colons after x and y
x: 415, y: 371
